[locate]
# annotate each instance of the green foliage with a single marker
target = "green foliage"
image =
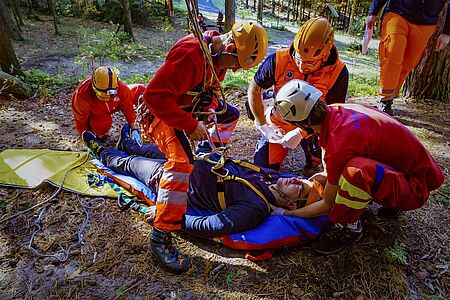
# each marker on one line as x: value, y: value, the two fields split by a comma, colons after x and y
x: 362, y: 84
x: 157, y: 8
x: 45, y: 84
x: 396, y: 254
x: 229, y: 277
x: 444, y: 196
x: 2, y: 205
x: 90, y: 12
x: 120, y: 290
x: 437, y: 297
x: 138, y: 78
x: 239, y: 79
x: 99, y: 46
x: 359, y: 26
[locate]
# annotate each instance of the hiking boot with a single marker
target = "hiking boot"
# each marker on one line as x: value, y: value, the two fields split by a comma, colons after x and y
x: 168, y: 255
x: 386, y: 106
x: 124, y: 134
x: 388, y: 213
x: 337, y: 237
x: 92, y: 143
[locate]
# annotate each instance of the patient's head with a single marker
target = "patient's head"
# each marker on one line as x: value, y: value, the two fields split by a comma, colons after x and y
x: 292, y: 192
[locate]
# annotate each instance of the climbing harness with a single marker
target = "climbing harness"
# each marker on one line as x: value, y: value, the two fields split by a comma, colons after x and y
x: 195, y: 27
x: 223, y: 174
x: 65, y: 255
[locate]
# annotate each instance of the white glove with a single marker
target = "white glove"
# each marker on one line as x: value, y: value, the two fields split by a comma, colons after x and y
x: 276, y: 210
x: 291, y: 139
x: 268, y: 132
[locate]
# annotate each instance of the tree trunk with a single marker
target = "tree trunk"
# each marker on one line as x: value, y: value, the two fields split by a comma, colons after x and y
x: 17, y: 14
x: 430, y: 79
x: 229, y: 14
x: 170, y: 7
x: 8, y: 58
x: 260, y: 11
x: 273, y: 7
x: 12, y: 85
x: 10, y: 27
x: 127, y: 24
x: 352, y: 16
x: 288, y: 10
x: 246, y: 4
x: 51, y: 6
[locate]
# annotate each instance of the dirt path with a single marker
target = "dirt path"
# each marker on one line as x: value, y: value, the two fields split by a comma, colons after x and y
x: 115, y: 262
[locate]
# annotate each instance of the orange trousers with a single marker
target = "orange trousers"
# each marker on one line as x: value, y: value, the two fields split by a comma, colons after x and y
x: 364, y: 180
x: 171, y: 202
x: 401, y: 47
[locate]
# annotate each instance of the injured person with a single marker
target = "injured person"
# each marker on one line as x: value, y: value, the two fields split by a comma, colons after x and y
x: 237, y: 202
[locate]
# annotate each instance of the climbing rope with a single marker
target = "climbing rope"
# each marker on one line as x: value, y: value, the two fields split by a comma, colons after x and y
x: 192, y: 15
x: 65, y: 255
x: 46, y: 201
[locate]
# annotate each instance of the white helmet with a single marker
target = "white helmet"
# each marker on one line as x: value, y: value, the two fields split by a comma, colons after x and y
x: 295, y: 100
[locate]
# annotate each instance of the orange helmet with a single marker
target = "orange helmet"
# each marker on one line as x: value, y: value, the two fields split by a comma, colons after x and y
x: 251, y: 43
x: 314, y: 39
x: 105, y: 83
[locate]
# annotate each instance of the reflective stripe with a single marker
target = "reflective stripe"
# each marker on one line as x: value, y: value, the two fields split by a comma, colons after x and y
x: 174, y: 186
x: 385, y: 92
x: 352, y: 190
x: 172, y: 197
x: 349, y: 203
x: 175, y: 176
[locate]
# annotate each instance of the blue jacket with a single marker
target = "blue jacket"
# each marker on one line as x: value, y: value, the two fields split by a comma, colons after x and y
x: 245, y: 209
x: 419, y: 12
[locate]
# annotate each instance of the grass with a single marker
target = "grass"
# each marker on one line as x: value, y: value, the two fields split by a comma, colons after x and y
x: 395, y: 254
x: 144, y: 78
x: 239, y: 79
x: 46, y: 84
x: 362, y: 85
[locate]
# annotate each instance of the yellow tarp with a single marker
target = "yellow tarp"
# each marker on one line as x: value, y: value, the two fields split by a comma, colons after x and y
x: 29, y: 168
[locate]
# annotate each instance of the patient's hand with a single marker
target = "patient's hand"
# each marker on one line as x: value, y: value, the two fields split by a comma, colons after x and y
x: 150, y: 215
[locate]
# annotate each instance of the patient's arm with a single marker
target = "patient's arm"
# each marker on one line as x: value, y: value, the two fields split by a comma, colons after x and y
x: 236, y: 218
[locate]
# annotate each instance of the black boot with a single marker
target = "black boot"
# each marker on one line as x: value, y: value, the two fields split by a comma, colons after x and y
x: 386, y: 106
x: 169, y: 256
x: 337, y: 237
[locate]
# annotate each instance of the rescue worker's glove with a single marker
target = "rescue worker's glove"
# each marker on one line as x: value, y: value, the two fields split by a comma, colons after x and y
x: 276, y: 210
x: 268, y: 132
x: 135, y: 136
x: 291, y: 139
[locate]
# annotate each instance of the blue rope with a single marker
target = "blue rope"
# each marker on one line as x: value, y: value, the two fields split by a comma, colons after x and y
x: 62, y: 257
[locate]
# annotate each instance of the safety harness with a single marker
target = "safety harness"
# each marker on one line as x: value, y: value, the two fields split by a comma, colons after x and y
x: 223, y: 174
x: 197, y: 92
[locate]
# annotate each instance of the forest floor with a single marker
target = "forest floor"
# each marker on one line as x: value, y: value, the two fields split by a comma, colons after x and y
x: 403, y: 259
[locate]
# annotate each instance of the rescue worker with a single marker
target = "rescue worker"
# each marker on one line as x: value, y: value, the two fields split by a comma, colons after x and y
x: 312, y: 57
x: 220, y: 22
x: 97, y: 98
x: 406, y: 28
x: 243, y: 208
x: 364, y: 162
x: 185, y: 76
